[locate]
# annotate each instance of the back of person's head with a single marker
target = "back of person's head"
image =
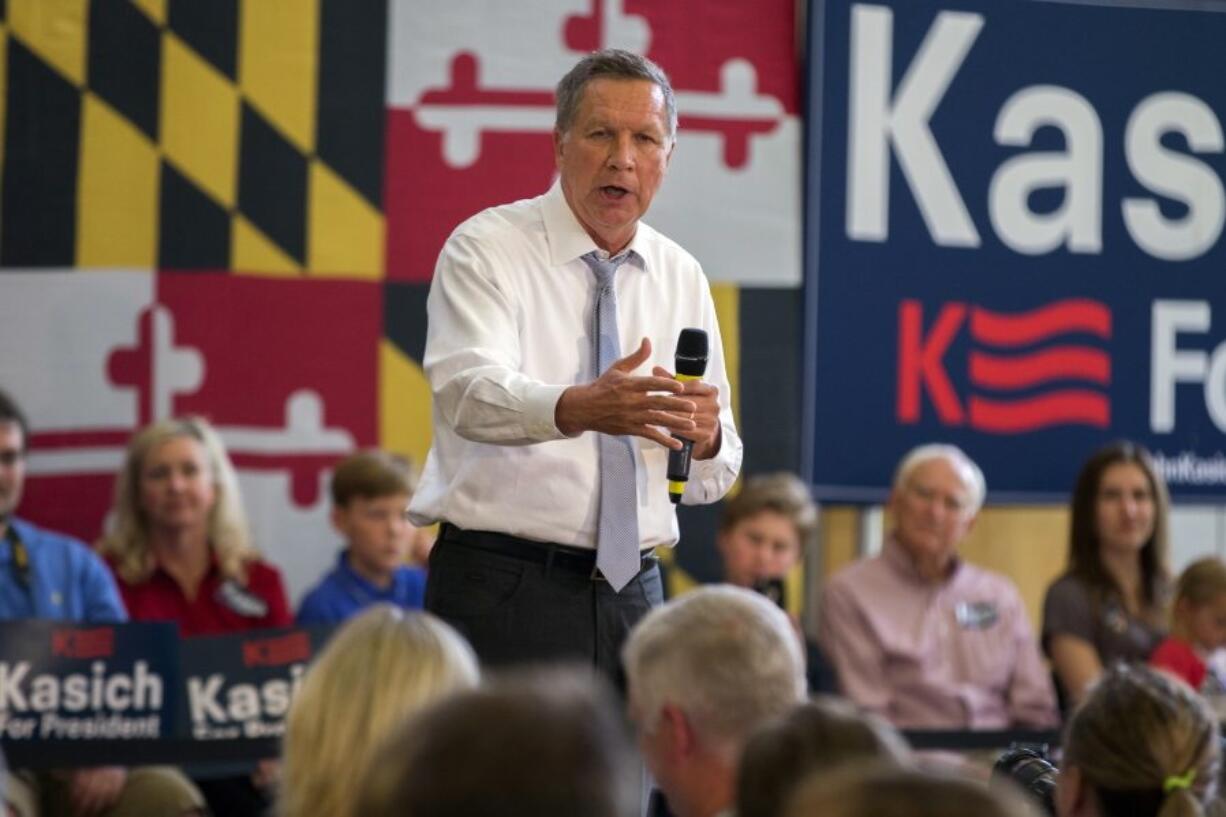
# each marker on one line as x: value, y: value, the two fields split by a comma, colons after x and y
x: 10, y: 412
x: 725, y: 656
x: 544, y: 743
x: 371, y: 474
x: 819, y: 735
x: 1201, y: 582
x: 1145, y: 744
x: 889, y: 791
x: 379, y: 667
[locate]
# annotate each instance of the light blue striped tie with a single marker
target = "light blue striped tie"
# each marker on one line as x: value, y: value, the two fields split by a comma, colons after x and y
x: 617, y: 537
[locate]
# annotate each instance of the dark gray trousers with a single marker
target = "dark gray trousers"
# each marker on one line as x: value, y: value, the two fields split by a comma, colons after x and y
x: 519, y: 611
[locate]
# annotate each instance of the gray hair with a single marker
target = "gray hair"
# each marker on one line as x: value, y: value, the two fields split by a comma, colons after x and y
x: 972, y: 476
x: 612, y: 63
x: 725, y: 656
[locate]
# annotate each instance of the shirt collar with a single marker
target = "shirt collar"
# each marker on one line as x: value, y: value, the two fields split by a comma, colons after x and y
x: 22, y: 529
x: 15, y: 530
x: 362, y: 582
x: 568, y: 240
x: 896, y: 556
x: 214, y: 569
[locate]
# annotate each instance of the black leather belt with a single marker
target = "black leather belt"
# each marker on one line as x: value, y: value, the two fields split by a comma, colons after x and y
x: 571, y: 559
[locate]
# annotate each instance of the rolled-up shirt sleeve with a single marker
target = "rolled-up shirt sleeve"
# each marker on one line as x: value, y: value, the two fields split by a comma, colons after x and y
x: 473, y: 360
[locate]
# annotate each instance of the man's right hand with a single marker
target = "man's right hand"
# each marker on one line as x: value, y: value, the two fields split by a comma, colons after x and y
x: 620, y: 403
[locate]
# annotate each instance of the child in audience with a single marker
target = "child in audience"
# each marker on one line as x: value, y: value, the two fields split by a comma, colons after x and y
x: 1198, y: 626
x: 1141, y: 745
x: 370, y: 492
x: 764, y: 532
x: 765, y: 528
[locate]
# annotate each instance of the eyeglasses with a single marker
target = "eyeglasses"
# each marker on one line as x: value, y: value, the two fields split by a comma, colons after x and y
x: 11, y: 457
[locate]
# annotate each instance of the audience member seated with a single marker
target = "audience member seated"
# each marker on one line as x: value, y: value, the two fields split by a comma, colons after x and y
x: 821, y: 735
x: 46, y: 575
x: 546, y: 744
x: 1198, y: 628
x: 1142, y: 744
x: 179, y: 545
x: 921, y: 637
x: 885, y: 791
x: 705, y: 671
x: 763, y: 534
x: 381, y: 666
x: 1110, y: 604
x: 180, y: 548
x: 370, y: 495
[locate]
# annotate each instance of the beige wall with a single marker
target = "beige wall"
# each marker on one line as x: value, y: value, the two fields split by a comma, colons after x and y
x: 1028, y: 544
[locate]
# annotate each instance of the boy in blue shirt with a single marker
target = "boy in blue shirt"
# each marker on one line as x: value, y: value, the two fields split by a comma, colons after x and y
x: 370, y: 492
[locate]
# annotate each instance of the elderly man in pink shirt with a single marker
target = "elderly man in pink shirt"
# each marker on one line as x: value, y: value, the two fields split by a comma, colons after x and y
x: 923, y: 638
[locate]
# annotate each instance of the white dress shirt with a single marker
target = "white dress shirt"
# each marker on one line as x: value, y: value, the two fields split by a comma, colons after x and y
x: 509, y: 315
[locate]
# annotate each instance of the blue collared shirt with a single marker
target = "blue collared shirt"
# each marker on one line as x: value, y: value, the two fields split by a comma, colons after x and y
x: 343, y: 593
x: 66, y: 580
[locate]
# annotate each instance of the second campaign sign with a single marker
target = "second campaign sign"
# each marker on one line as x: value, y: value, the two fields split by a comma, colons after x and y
x: 1014, y: 240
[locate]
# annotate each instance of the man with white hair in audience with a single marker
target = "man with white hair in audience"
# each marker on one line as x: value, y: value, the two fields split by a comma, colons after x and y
x: 922, y: 637
x: 704, y: 672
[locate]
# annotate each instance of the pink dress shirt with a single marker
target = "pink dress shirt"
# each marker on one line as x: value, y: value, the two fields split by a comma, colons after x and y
x: 954, y: 654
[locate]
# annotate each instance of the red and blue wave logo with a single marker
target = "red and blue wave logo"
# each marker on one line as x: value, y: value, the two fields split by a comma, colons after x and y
x: 1026, y: 371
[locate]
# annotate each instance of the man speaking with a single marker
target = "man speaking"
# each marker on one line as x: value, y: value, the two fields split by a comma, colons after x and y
x: 552, y: 324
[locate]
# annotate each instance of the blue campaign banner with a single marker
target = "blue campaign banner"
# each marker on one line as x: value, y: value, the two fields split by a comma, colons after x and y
x: 240, y: 686
x: 1014, y: 241
x: 97, y: 682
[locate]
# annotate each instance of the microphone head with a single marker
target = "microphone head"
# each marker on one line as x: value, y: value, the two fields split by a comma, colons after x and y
x: 692, y: 349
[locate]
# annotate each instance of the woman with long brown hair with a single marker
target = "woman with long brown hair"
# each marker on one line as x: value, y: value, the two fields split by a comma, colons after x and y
x: 1109, y: 606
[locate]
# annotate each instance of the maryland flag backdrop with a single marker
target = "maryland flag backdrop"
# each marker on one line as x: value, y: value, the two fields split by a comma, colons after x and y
x: 233, y: 208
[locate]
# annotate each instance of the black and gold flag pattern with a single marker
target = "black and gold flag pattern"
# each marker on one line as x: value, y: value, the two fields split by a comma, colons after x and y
x: 242, y: 135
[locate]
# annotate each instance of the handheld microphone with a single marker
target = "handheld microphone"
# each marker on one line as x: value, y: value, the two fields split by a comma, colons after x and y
x: 691, y: 364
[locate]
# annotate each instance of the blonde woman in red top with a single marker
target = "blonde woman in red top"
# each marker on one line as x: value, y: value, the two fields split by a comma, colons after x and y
x: 181, y: 551
x: 179, y: 544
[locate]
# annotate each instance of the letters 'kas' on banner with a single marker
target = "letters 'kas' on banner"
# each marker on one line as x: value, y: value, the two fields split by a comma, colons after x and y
x: 1014, y: 241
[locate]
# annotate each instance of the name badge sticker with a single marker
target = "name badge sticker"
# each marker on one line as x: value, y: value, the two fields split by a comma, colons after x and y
x: 239, y: 600
x: 976, y: 615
